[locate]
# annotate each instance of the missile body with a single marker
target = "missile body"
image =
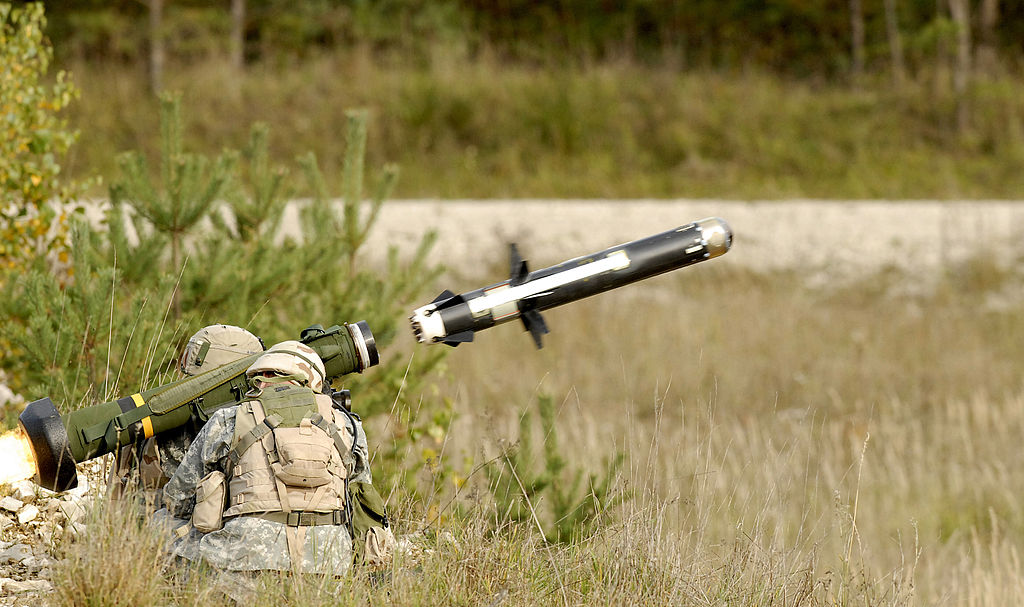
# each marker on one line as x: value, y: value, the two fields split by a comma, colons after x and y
x: 452, y: 319
x: 59, y: 442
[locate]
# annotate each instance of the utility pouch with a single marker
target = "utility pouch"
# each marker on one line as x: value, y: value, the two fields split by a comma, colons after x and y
x: 304, y: 455
x: 208, y: 514
x: 372, y: 539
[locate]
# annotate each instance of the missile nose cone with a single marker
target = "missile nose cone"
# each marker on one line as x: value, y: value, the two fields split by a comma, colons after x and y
x: 717, y: 234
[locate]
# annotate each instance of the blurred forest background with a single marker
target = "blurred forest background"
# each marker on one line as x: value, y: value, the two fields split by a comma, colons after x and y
x: 575, y: 98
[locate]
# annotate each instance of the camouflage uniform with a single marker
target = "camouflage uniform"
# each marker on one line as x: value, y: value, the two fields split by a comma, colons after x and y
x: 249, y: 543
x: 151, y: 463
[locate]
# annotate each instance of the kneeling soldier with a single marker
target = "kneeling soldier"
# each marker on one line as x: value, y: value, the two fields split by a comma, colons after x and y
x: 267, y: 483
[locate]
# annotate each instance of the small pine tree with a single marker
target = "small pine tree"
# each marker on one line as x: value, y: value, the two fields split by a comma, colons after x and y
x: 174, y: 205
x: 124, y: 331
x: 526, y: 483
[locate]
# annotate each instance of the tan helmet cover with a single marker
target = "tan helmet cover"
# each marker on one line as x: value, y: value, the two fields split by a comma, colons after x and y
x: 217, y: 345
x: 292, y: 358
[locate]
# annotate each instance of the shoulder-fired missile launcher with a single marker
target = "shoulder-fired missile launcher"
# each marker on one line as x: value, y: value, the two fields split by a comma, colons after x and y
x: 60, y: 442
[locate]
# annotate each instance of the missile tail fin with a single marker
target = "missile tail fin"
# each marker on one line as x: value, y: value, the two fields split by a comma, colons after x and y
x: 444, y: 296
x: 535, y: 324
x: 458, y: 338
x: 517, y: 266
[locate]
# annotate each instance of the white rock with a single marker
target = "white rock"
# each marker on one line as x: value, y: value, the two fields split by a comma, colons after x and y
x: 5, y: 522
x: 25, y: 491
x: 6, y: 394
x: 28, y: 513
x: 11, y: 504
x: 15, y: 587
x: 81, y: 489
x: 72, y: 509
x: 16, y: 554
x: 76, y: 530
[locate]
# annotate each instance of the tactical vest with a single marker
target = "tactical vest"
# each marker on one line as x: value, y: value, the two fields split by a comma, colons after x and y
x: 289, y: 461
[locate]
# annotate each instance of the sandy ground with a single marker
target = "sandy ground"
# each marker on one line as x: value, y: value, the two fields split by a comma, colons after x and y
x: 831, y: 239
x: 840, y: 238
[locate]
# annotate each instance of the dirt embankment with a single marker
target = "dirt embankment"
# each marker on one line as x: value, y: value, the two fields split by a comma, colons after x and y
x: 841, y: 239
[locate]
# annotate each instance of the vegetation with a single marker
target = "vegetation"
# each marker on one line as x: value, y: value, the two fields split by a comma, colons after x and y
x: 878, y: 466
x: 577, y: 99
x: 34, y: 196
x: 116, y: 313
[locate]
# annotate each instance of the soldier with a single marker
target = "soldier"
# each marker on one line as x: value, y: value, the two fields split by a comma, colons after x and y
x: 149, y: 465
x: 268, y: 484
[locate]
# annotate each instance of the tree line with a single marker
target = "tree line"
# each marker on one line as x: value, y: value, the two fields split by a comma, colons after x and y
x: 801, y: 38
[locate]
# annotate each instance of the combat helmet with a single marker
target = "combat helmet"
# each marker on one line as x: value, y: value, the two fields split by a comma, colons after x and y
x: 217, y: 345
x: 291, y: 360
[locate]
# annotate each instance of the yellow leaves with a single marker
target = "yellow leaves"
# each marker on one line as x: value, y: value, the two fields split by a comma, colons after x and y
x: 32, y: 139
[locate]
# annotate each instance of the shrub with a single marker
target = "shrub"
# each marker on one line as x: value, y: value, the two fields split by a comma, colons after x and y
x: 33, y: 139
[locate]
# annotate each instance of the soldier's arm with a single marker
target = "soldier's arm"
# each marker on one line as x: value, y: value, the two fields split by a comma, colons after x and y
x: 207, y: 452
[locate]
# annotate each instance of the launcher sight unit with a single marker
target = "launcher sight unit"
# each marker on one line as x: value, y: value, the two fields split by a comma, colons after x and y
x: 59, y: 442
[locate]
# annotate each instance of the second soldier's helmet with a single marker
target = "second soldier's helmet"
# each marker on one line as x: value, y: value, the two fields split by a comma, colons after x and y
x: 293, y: 360
x: 217, y: 345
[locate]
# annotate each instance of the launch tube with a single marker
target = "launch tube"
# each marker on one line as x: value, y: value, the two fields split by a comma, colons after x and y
x: 59, y: 442
x: 452, y: 319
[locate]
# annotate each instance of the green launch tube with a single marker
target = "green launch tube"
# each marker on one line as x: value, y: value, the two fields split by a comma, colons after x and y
x: 59, y: 442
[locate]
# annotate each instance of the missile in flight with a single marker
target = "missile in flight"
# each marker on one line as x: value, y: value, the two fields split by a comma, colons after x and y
x: 453, y: 319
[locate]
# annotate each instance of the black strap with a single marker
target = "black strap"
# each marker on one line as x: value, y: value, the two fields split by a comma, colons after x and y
x: 299, y: 518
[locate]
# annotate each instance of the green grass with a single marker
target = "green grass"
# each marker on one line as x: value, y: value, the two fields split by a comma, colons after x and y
x: 485, y: 129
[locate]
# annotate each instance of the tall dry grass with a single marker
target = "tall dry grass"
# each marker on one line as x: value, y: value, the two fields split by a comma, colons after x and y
x: 865, y: 434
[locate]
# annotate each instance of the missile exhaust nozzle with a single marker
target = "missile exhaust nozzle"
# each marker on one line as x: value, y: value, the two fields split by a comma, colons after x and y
x: 55, y: 465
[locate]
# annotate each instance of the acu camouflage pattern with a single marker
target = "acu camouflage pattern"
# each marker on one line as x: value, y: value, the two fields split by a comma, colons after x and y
x: 248, y: 543
x: 147, y: 466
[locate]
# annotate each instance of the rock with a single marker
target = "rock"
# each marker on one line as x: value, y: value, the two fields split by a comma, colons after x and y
x: 76, y: 530
x: 35, y: 564
x: 15, y: 554
x: 28, y: 513
x: 15, y: 587
x: 5, y: 522
x: 8, y: 396
x: 11, y: 504
x: 25, y: 491
x: 73, y: 510
x: 81, y: 489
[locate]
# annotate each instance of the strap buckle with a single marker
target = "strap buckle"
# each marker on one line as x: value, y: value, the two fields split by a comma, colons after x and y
x: 301, y: 518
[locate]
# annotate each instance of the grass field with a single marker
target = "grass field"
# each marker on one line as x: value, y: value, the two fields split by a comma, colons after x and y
x: 869, y: 435
x: 784, y: 445
x: 481, y: 129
